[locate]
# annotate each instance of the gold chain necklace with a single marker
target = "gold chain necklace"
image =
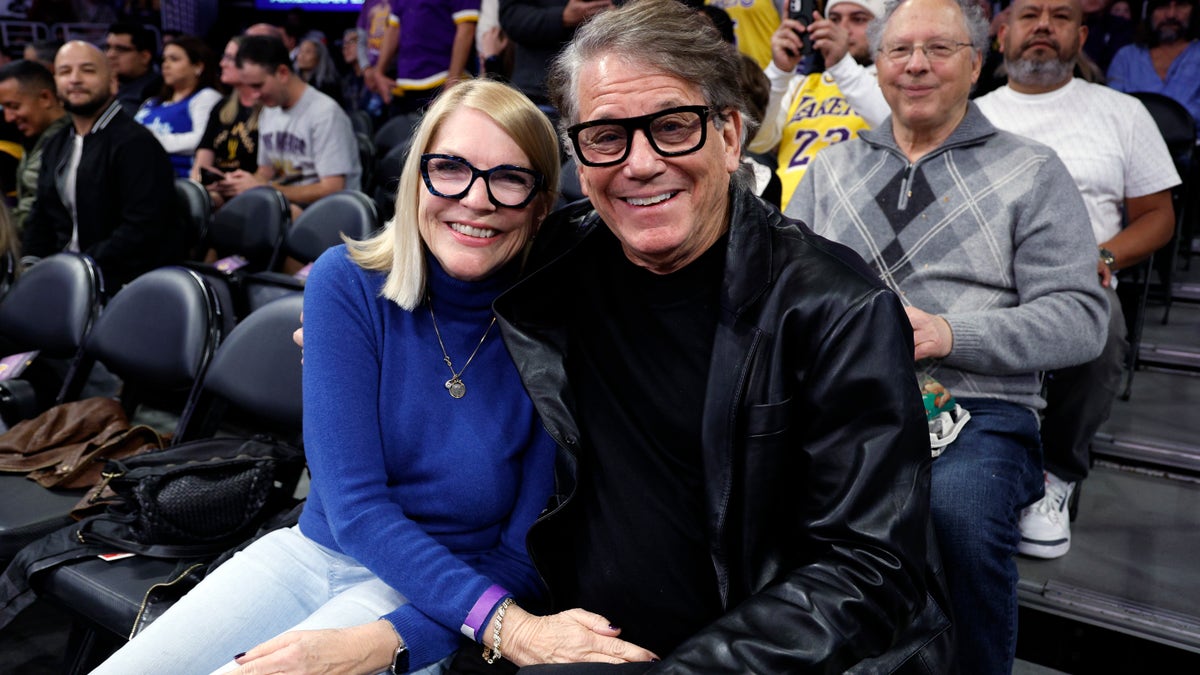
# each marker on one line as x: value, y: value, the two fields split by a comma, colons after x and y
x: 455, y: 385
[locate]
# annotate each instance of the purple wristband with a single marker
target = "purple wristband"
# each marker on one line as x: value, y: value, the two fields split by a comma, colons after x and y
x: 482, y: 610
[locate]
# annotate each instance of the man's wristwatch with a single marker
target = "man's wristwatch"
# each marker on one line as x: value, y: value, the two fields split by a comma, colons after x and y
x: 1107, y: 257
x: 400, y: 659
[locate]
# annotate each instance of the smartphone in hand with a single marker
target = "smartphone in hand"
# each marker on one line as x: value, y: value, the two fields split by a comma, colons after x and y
x: 802, y: 11
x: 208, y: 176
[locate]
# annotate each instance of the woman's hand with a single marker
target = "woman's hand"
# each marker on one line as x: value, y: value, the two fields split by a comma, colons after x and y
x: 368, y: 648
x: 567, y: 637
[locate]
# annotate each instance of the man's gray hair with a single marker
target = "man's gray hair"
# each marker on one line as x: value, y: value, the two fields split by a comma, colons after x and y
x: 975, y: 21
x: 660, y: 35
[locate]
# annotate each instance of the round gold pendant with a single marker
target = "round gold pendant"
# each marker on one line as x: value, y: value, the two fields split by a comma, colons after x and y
x: 456, y: 387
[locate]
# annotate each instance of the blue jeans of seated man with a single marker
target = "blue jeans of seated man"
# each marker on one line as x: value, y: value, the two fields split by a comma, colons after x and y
x: 281, y: 582
x: 978, y: 486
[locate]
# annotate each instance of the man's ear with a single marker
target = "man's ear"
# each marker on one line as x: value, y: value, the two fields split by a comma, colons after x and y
x: 1000, y: 33
x: 731, y: 131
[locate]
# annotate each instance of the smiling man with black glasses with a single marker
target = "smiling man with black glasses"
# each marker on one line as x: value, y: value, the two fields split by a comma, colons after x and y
x: 743, y: 457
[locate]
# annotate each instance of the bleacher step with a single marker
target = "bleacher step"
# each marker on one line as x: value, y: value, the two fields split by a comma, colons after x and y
x: 1112, y: 612
x: 1145, y: 449
x: 1131, y: 567
x: 1170, y: 356
x: 1186, y: 291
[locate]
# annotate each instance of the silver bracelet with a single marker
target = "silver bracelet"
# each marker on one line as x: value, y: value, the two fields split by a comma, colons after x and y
x: 493, y: 655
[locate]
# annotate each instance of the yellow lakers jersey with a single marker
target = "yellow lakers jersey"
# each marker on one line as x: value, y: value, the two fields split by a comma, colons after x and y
x: 753, y: 23
x: 818, y: 117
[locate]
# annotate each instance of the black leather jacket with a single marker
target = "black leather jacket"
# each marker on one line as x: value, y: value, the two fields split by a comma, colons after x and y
x: 815, y: 451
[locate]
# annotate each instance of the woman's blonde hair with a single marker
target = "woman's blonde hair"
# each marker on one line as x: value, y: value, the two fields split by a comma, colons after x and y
x: 229, y: 109
x: 398, y: 249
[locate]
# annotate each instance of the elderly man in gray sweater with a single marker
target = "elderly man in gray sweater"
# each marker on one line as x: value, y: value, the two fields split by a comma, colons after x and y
x: 984, y: 236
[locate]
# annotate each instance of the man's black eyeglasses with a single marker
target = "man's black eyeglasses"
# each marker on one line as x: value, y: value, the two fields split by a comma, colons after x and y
x: 452, y: 177
x: 671, y: 132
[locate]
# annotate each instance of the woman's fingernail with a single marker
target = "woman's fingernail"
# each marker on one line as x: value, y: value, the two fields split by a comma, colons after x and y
x: 235, y: 658
x: 654, y: 660
x: 612, y: 627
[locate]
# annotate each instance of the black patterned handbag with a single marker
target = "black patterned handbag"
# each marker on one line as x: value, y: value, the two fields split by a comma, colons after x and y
x: 193, y: 500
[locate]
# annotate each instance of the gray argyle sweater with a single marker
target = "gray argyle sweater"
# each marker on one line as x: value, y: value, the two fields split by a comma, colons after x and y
x: 989, y: 231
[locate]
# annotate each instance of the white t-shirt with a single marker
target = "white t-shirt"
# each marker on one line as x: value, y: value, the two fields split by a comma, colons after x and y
x: 1107, y: 139
x: 309, y: 141
x: 70, y: 181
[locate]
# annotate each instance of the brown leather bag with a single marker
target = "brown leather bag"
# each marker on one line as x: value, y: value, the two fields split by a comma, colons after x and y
x: 64, y: 446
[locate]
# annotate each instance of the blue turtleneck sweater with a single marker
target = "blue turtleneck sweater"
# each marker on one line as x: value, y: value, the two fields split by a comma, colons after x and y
x: 432, y: 494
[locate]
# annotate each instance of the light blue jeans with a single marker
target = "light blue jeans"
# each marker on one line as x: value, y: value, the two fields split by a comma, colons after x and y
x: 281, y: 582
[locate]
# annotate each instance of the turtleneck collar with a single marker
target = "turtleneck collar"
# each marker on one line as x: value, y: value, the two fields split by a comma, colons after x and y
x: 467, y: 295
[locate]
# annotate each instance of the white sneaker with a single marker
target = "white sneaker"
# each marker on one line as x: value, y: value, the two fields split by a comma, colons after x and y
x: 1046, y: 524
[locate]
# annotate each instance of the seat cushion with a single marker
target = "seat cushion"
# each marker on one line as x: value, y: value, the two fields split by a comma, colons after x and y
x: 109, y: 594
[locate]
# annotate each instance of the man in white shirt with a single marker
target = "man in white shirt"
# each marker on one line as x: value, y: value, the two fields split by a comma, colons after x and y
x: 1119, y: 161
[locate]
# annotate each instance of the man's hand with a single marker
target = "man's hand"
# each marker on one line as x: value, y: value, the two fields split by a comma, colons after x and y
x: 369, y: 81
x: 383, y: 85
x: 493, y: 42
x: 932, y: 338
x: 786, y: 45
x: 1105, y: 272
x: 567, y: 637
x: 578, y: 11
x: 361, y: 649
x: 236, y: 182
x: 830, y: 39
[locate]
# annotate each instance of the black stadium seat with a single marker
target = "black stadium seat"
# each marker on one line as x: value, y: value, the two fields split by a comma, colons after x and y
x: 1179, y: 131
x: 251, y: 226
x: 158, y: 335
x: 193, y: 207
x: 50, y: 309
x: 320, y: 226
